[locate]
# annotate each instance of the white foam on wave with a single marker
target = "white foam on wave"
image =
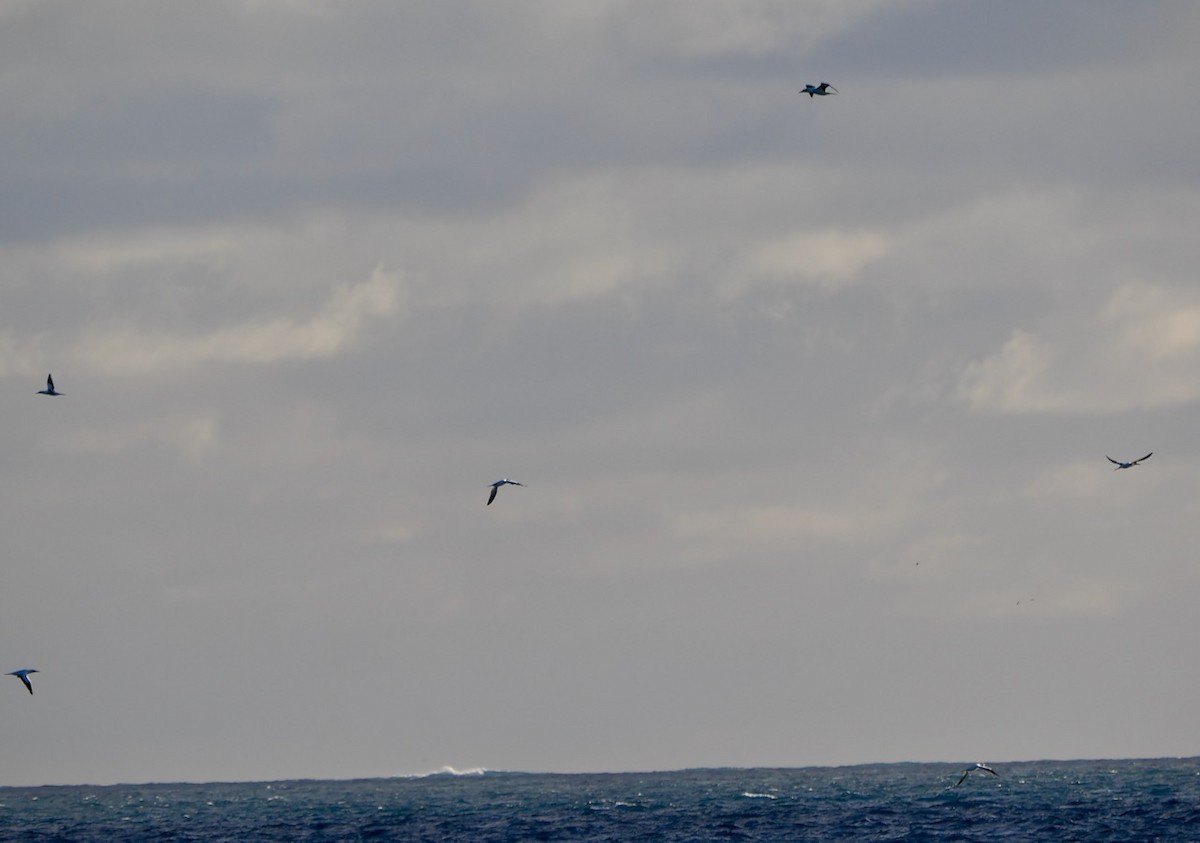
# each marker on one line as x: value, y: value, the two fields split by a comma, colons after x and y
x: 448, y: 771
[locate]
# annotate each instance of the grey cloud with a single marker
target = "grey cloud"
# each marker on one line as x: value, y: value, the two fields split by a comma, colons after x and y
x: 1020, y: 41
x: 313, y: 275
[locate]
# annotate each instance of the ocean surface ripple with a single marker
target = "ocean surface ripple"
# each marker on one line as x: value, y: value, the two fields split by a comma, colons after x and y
x: 1143, y: 800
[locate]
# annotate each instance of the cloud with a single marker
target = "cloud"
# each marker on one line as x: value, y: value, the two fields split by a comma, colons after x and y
x: 342, y: 321
x: 1013, y: 380
x: 714, y: 325
x: 930, y: 555
x: 102, y: 253
x: 19, y: 356
x: 713, y: 29
x: 1094, y: 597
x: 1155, y: 324
x: 779, y: 529
x: 825, y: 256
x: 190, y: 436
x: 1077, y: 480
x: 1140, y: 350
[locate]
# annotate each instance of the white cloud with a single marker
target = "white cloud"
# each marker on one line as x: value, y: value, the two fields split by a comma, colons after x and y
x: 711, y: 28
x: 933, y: 555
x: 190, y: 436
x: 1013, y: 380
x: 1155, y: 324
x: 1095, y: 597
x: 1140, y: 350
x: 825, y: 256
x: 345, y: 317
x: 19, y: 356
x: 778, y: 530
x: 1079, y: 479
x: 97, y: 254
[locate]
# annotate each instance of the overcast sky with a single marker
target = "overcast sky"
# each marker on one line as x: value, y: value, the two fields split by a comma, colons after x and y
x: 812, y: 397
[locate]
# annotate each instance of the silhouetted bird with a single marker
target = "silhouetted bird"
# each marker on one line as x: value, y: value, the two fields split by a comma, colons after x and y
x: 984, y: 767
x: 822, y: 90
x: 23, y: 675
x: 496, y: 487
x: 1119, y: 465
x: 49, y: 390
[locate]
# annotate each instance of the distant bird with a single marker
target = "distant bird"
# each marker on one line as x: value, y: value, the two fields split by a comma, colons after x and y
x: 496, y: 487
x: 23, y: 675
x: 1120, y: 465
x: 822, y: 90
x: 984, y: 767
x: 49, y: 390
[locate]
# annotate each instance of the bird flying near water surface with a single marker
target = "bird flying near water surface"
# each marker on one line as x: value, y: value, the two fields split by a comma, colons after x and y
x: 977, y: 768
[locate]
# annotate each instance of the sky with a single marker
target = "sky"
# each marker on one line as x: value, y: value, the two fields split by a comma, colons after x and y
x: 811, y: 397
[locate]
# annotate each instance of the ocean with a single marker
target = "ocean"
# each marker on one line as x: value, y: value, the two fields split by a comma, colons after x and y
x: 1142, y: 800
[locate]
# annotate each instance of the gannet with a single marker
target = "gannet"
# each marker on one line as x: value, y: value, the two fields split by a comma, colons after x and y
x: 1120, y: 465
x: 23, y: 675
x: 49, y: 390
x: 822, y: 90
x: 496, y: 487
x: 976, y: 768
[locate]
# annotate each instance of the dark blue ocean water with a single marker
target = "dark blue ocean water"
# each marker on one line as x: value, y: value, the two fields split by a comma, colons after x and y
x: 1052, y: 800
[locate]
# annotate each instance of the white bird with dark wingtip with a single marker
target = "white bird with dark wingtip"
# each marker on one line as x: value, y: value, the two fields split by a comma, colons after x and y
x: 1119, y: 465
x: 978, y: 767
x: 23, y: 675
x: 496, y: 487
x: 822, y: 90
x: 49, y: 390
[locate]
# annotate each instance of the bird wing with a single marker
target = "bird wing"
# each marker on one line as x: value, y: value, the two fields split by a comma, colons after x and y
x: 986, y: 769
x: 963, y: 779
x: 24, y: 678
x: 1148, y: 456
x: 49, y: 383
x: 492, y: 496
x: 1111, y: 460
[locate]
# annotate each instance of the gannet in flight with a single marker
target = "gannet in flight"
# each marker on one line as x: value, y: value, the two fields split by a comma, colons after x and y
x: 49, y: 390
x: 23, y: 675
x: 822, y: 90
x: 496, y: 487
x: 984, y: 767
x: 1120, y: 465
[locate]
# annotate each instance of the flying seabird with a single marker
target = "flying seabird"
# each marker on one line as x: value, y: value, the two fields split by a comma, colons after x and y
x: 822, y: 90
x: 49, y: 390
x: 1119, y: 465
x: 976, y: 768
x: 496, y: 487
x: 23, y: 675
